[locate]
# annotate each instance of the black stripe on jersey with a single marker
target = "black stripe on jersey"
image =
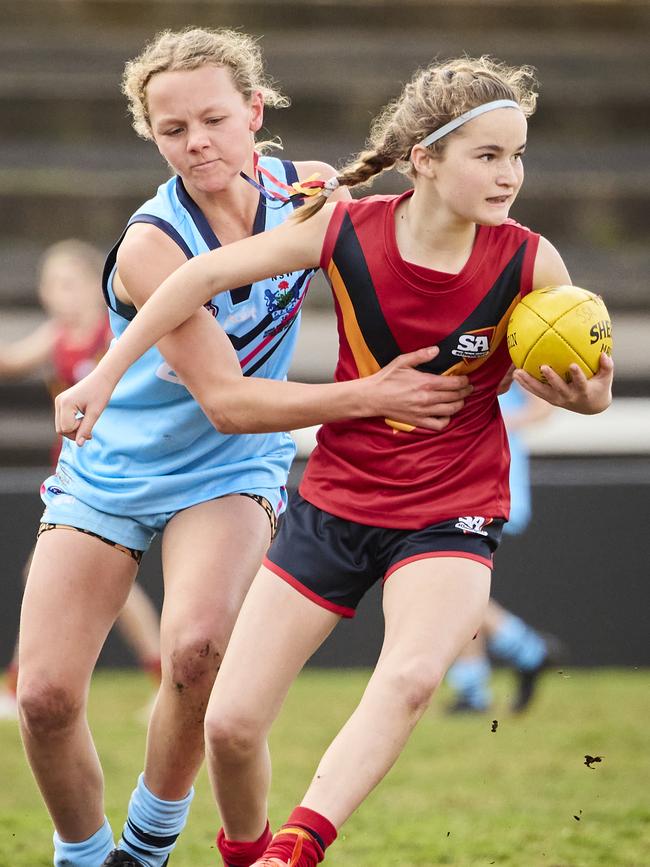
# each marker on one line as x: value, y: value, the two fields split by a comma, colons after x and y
x: 128, y: 311
x: 489, y: 312
x: 165, y: 227
x: 111, y: 299
x: 197, y: 215
x: 351, y: 264
x: 260, y: 361
x: 239, y: 342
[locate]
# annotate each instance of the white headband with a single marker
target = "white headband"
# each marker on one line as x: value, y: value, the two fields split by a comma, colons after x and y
x: 463, y: 118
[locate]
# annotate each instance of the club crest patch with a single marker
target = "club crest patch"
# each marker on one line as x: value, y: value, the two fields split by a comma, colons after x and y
x: 281, y: 301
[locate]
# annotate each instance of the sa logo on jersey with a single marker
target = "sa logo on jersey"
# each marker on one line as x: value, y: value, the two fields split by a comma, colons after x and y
x: 474, y: 344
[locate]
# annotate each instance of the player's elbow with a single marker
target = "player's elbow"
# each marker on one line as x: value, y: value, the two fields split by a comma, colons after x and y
x: 224, y: 421
x: 221, y: 401
x: 229, y: 414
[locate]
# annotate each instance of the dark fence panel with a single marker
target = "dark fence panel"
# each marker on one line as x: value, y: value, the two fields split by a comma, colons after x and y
x: 582, y: 570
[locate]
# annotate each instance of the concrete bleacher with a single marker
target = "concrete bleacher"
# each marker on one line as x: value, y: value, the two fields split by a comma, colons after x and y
x: 71, y: 165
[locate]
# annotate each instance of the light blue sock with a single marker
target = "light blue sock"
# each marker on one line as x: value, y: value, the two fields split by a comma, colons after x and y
x: 88, y: 853
x: 152, y: 825
x: 518, y: 644
x: 471, y: 680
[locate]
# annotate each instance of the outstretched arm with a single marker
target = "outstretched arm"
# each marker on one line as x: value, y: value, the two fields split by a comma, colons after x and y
x: 172, y: 315
x: 254, y: 405
x: 233, y: 403
x: 582, y: 395
x: 29, y: 353
x: 290, y: 247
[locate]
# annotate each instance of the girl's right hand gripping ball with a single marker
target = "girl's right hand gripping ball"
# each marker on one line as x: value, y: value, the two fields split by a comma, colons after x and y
x: 559, y: 326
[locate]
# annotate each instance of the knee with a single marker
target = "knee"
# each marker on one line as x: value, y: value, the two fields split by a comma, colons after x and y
x: 47, y: 709
x: 193, y: 663
x: 231, y: 736
x: 413, y: 683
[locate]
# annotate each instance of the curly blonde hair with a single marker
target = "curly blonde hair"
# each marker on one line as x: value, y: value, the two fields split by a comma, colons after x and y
x: 170, y: 51
x: 433, y: 97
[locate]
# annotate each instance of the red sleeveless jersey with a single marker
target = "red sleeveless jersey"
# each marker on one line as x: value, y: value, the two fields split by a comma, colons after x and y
x: 72, y: 361
x: 367, y: 471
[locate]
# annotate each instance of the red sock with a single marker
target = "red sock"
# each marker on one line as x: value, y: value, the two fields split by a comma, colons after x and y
x: 242, y: 853
x: 11, y: 678
x: 320, y: 833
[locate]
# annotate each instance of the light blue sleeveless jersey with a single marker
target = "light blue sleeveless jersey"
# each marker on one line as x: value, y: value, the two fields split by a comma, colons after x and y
x: 153, y: 450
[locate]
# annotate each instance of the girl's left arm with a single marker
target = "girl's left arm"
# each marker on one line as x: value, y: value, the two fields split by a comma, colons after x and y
x: 292, y: 246
x: 586, y: 396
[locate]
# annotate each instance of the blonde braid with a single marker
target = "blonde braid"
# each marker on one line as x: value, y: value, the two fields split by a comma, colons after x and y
x: 362, y: 170
x: 433, y: 97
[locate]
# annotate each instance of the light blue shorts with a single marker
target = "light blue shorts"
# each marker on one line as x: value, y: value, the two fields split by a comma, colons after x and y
x: 134, y: 533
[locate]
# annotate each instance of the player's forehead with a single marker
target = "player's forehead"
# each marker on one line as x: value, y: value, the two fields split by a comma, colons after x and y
x: 503, y: 128
x: 176, y: 93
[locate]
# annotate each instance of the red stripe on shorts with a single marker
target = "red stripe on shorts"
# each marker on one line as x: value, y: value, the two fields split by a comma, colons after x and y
x: 465, y: 555
x: 341, y: 610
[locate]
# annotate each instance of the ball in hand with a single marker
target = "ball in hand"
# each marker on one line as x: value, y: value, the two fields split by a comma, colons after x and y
x: 559, y: 326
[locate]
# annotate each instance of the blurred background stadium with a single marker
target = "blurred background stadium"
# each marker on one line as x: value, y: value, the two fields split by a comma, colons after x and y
x: 70, y: 165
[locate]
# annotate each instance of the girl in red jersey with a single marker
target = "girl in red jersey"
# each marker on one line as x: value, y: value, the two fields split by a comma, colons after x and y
x: 440, y: 265
x: 66, y: 347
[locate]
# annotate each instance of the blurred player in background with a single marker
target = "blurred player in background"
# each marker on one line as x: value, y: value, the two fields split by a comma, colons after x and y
x: 65, y: 348
x: 379, y: 498
x: 502, y: 633
x: 157, y: 464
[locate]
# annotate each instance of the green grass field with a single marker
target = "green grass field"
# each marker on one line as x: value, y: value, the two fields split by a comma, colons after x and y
x: 460, y: 794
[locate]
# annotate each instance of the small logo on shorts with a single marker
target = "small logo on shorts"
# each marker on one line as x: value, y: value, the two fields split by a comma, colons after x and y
x: 470, y: 524
x: 55, y: 491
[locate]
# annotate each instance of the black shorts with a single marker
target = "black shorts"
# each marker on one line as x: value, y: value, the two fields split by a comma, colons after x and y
x: 334, y: 562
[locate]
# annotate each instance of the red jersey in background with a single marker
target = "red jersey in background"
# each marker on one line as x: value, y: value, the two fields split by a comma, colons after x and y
x: 71, y: 361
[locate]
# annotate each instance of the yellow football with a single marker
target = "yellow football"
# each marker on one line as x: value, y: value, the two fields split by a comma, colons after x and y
x: 559, y: 326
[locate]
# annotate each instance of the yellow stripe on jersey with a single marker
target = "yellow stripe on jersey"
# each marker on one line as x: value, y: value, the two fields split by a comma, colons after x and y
x: 365, y: 360
x: 363, y: 357
x: 464, y: 366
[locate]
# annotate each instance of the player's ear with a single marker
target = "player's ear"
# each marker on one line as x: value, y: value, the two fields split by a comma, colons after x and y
x: 257, y: 111
x: 424, y: 162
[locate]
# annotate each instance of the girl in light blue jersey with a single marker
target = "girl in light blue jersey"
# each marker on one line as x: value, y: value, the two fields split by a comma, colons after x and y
x: 157, y: 464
